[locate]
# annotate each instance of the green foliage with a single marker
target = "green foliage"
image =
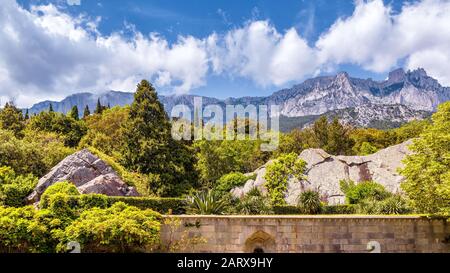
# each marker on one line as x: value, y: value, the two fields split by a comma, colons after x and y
x: 363, y: 190
x: 65, y: 188
x: 120, y: 228
x: 339, y: 209
x: 149, y: 148
x: 73, y: 113
x: 254, y: 203
x: 35, y: 154
x: 86, y: 112
x: 286, y: 210
x: 11, y: 118
x: 230, y: 181
x: 161, y: 205
x: 14, y: 188
x: 20, y: 232
x: 395, y: 204
x: 206, y: 202
x: 105, y: 131
x: 278, y: 173
x: 367, y: 149
x: 70, y: 129
x: 309, y: 202
x: 427, y: 170
x: 217, y: 158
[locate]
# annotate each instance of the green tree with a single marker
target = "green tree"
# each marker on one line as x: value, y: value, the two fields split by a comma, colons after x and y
x: 338, y: 141
x: 27, y: 115
x: 74, y: 113
x: 149, y: 148
x: 86, y: 112
x: 50, y: 108
x: 14, y: 188
x: 11, y: 118
x: 99, y: 108
x: 427, y: 169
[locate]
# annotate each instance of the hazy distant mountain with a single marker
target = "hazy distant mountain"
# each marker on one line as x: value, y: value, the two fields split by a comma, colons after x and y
x: 362, y: 102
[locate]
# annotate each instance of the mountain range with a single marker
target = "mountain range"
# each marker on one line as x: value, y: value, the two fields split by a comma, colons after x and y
x: 402, y: 97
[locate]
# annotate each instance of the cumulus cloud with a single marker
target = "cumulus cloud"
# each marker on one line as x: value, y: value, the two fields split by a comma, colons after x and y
x: 48, y: 54
x: 378, y: 39
x: 259, y: 52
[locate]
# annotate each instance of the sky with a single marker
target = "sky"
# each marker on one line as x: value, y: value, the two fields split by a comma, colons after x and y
x: 53, y: 48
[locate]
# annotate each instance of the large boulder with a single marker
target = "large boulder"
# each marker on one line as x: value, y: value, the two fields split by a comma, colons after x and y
x: 324, y: 171
x: 88, y: 173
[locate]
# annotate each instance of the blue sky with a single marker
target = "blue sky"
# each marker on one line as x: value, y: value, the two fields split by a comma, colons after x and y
x: 296, y: 26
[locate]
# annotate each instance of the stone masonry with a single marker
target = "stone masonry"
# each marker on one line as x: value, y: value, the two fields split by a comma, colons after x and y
x: 303, y: 234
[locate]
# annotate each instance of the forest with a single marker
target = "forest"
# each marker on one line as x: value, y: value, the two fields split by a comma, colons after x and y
x: 190, y: 176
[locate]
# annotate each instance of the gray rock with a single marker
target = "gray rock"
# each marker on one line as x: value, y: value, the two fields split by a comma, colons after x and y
x: 88, y: 173
x: 324, y: 172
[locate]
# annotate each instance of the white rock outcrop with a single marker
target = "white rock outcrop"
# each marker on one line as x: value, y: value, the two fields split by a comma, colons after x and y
x: 324, y: 171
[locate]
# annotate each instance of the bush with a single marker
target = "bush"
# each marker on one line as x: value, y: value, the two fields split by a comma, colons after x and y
x: 278, y: 174
x: 309, y: 202
x: 65, y: 188
x: 339, y: 209
x: 88, y: 201
x: 20, y: 232
x: 253, y: 203
x: 159, y: 204
x: 361, y: 191
x: 14, y: 189
x: 120, y: 228
x: 286, y: 210
x: 331, y: 209
x: 206, y: 202
x: 230, y: 181
x: 395, y: 204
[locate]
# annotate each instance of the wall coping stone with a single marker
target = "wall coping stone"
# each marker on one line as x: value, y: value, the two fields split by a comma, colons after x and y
x: 275, y: 217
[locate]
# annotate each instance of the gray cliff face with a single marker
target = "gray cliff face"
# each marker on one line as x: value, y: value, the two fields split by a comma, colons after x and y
x: 324, y: 171
x: 413, y: 94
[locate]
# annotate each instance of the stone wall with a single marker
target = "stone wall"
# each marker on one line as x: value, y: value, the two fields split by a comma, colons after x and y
x: 301, y: 234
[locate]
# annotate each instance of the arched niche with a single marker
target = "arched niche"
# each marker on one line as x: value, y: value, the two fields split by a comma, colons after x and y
x: 260, y: 242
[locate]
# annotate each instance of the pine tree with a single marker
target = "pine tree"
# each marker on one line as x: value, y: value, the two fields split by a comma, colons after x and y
x: 74, y: 113
x: 149, y: 147
x: 86, y: 112
x: 27, y: 115
x: 100, y: 108
x: 50, y: 108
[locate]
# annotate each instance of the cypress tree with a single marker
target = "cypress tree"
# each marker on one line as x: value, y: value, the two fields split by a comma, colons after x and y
x: 150, y: 149
x: 74, y: 113
x: 100, y: 108
x: 86, y: 112
x: 50, y: 108
x: 27, y: 116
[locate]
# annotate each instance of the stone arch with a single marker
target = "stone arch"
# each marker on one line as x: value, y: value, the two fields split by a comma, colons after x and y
x: 260, y: 242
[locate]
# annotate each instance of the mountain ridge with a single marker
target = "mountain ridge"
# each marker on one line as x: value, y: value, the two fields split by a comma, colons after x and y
x: 413, y: 94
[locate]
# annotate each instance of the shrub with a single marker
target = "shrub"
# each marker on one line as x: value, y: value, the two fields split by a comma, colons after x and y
x: 20, y: 232
x: 278, y: 174
x: 120, y: 228
x: 159, y: 204
x: 254, y: 202
x: 230, y: 181
x: 309, y: 202
x: 206, y: 202
x: 339, y: 209
x: 395, y: 204
x: 14, y: 189
x: 65, y: 188
x: 361, y: 191
x: 286, y: 210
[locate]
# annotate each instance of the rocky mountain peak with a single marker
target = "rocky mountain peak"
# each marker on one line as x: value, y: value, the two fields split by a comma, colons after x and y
x: 397, y: 75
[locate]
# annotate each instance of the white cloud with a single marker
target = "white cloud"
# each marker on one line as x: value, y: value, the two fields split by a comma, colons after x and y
x: 48, y: 54
x: 377, y: 39
x: 259, y: 52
